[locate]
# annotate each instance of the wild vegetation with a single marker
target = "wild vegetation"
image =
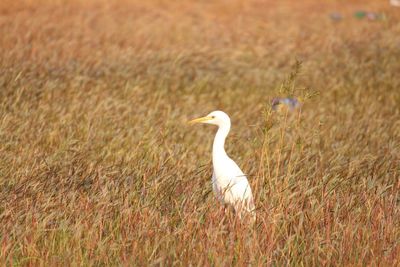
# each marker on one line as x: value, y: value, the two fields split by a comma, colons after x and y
x: 99, y: 168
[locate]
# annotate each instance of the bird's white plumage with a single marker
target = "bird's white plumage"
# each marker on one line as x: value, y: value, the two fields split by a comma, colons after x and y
x: 230, y: 184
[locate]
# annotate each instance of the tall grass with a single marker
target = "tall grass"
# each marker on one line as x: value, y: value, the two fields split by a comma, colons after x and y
x: 97, y: 165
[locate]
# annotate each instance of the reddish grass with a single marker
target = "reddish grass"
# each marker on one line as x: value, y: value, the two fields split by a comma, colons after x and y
x: 97, y: 165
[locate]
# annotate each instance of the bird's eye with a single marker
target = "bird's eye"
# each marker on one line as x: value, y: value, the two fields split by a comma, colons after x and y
x: 212, y: 117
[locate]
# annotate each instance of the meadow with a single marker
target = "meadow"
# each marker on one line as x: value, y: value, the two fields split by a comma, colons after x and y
x: 99, y: 168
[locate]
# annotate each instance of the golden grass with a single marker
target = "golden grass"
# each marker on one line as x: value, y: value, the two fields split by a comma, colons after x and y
x: 97, y: 165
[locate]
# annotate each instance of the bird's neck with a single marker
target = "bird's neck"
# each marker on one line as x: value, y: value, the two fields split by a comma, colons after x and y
x: 219, y: 142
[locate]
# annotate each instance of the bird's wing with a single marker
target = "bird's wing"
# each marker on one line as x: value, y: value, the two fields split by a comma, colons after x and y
x: 237, y: 173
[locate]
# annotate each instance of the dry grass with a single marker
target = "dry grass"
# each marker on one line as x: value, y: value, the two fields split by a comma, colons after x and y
x: 98, y: 167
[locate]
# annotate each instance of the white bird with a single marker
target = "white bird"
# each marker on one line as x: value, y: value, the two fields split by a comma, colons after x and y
x: 229, y: 183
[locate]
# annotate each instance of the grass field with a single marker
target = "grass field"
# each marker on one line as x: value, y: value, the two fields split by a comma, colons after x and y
x: 99, y: 168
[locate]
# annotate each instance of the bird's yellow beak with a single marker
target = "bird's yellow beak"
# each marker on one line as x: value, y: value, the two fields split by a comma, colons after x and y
x: 199, y: 120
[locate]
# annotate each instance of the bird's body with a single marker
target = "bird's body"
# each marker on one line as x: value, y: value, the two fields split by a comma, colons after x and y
x: 230, y: 184
x: 288, y: 103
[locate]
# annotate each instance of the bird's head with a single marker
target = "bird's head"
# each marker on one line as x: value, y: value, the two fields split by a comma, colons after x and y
x: 218, y: 118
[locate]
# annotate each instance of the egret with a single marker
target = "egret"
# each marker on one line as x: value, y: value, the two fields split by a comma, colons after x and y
x: 229, y: 183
